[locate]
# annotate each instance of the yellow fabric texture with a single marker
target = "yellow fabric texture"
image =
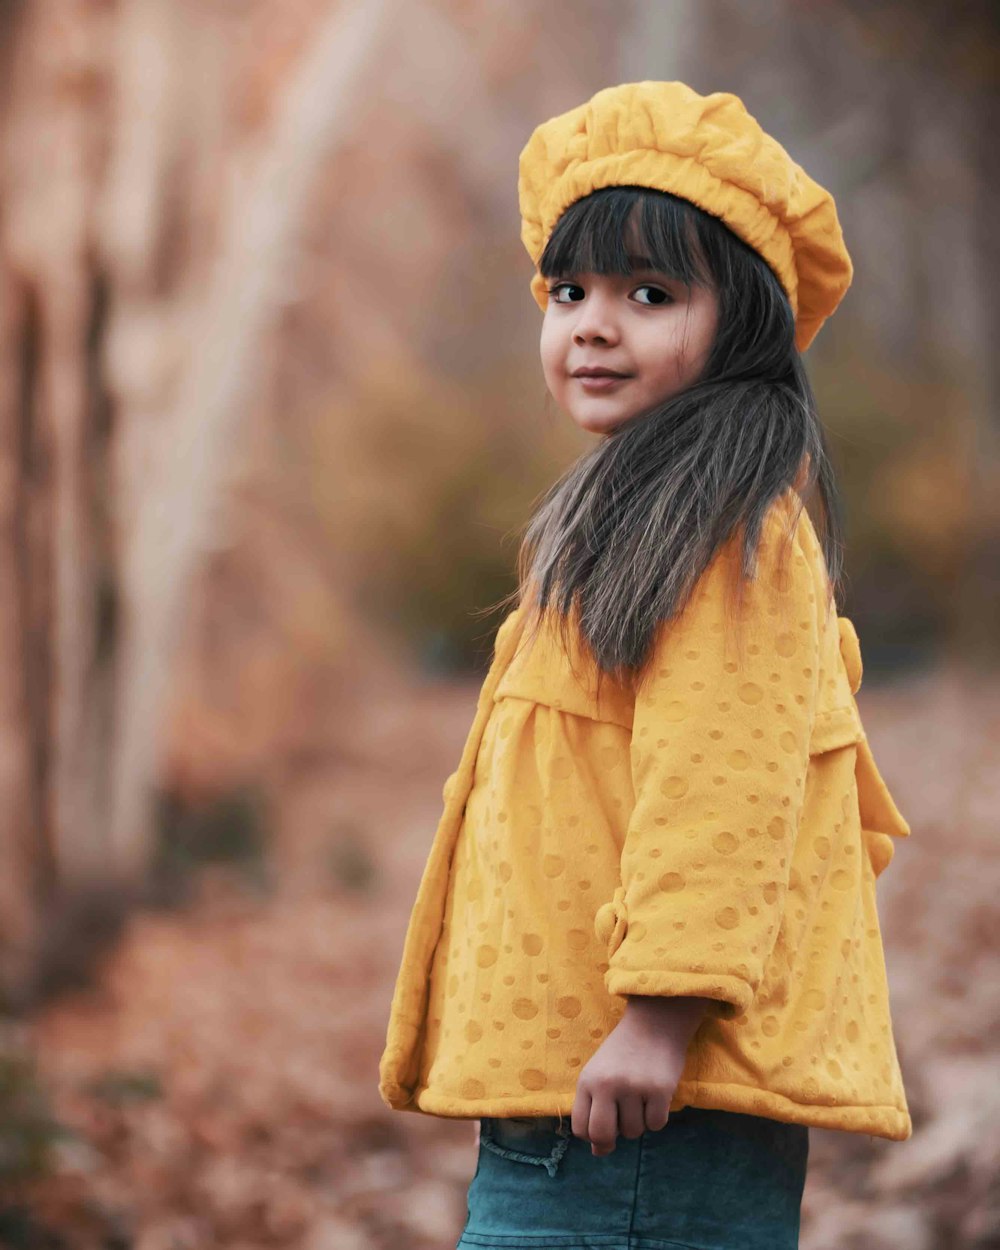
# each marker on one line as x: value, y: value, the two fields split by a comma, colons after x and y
x: 718, y: 835
x: 706, y: 149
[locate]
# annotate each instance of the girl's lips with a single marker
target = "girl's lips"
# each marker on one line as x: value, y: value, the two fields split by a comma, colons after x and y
x: 603, y: 382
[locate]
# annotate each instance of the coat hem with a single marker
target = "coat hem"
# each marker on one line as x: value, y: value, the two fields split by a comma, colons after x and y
x: 877, y: 1120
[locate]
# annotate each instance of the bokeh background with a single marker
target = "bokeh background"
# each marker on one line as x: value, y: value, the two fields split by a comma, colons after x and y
x: 271, y: 421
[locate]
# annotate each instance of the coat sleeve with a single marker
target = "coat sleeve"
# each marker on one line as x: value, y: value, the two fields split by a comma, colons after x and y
x: 719, y: 752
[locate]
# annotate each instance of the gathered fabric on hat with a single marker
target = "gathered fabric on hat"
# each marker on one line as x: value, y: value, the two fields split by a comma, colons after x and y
x: 705, y: 149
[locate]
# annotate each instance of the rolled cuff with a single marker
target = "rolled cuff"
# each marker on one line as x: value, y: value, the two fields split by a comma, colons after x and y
x: 730, y: 995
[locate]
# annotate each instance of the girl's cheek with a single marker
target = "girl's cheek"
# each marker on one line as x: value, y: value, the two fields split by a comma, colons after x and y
x: 550, y: 355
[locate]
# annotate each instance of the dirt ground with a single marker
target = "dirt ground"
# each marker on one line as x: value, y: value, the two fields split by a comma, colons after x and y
x: 216, y: 1086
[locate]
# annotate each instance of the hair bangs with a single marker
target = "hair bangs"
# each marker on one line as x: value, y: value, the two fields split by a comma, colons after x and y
x: 619, y: 230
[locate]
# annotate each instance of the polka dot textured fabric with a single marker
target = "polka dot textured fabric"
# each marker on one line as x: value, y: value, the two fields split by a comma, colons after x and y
x: 717, y: 833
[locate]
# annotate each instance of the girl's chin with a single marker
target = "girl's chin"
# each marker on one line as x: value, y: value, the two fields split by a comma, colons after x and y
x: 598, y: 423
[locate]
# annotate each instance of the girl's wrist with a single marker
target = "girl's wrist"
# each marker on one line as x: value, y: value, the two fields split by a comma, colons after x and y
x: 681, y: 1013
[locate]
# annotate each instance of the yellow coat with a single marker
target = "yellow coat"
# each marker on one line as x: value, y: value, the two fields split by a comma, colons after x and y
x: 718, y: 835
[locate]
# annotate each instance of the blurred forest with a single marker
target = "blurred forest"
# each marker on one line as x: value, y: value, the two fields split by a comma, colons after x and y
x: 271, y: 420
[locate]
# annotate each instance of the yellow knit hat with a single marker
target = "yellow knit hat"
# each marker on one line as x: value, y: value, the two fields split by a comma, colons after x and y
x: 706, y: 149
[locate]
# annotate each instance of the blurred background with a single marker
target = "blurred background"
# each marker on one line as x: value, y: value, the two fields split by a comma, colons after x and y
x: 271, y: 420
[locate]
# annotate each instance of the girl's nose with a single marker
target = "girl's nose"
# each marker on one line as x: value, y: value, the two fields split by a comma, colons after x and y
x: 595, y: 324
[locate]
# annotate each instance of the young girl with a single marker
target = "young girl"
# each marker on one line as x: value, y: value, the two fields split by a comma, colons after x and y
x: 650, y: 901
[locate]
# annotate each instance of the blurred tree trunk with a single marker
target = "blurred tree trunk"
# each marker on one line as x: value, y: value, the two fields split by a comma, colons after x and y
x: 23, y: 845
x: 127, y: 365
x: 51, y: 830
x: 174, y: 513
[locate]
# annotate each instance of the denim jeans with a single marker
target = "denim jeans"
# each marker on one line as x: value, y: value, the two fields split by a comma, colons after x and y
x: 708, y: 1180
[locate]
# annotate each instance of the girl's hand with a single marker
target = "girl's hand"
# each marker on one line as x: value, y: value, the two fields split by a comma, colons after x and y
x: 628, y: 1084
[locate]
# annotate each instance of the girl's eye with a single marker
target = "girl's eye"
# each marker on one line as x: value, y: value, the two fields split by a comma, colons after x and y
x: 661, y: 296
x: 559, y: 286
x: 658, y: 296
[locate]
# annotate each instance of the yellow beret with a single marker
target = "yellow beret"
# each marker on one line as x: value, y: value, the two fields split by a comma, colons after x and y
x: 706, y: 149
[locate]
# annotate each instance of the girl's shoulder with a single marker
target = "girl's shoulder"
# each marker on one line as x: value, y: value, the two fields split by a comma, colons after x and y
x: 787, y: 565
x: 789, y: 532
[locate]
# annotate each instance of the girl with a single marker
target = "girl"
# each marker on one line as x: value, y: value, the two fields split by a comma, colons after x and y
x: 650, y: 902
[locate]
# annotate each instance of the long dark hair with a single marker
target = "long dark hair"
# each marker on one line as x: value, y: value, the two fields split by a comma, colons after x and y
x: 624, y: 535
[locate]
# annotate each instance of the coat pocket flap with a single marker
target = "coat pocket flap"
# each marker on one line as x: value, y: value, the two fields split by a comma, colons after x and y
x: 850, y: 652
x: 881, y: 819
x: 835, y: 727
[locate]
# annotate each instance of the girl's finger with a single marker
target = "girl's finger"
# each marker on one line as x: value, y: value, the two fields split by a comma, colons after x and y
x: 580, y: 1116
x: 631, y: 1115
x: 657, y: 1112
x: 603, y: 1124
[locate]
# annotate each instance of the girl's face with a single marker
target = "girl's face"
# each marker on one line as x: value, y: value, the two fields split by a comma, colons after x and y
x: 649, y: 328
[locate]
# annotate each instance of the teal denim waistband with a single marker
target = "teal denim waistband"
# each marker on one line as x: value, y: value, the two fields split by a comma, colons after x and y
x: 708, y: 1180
